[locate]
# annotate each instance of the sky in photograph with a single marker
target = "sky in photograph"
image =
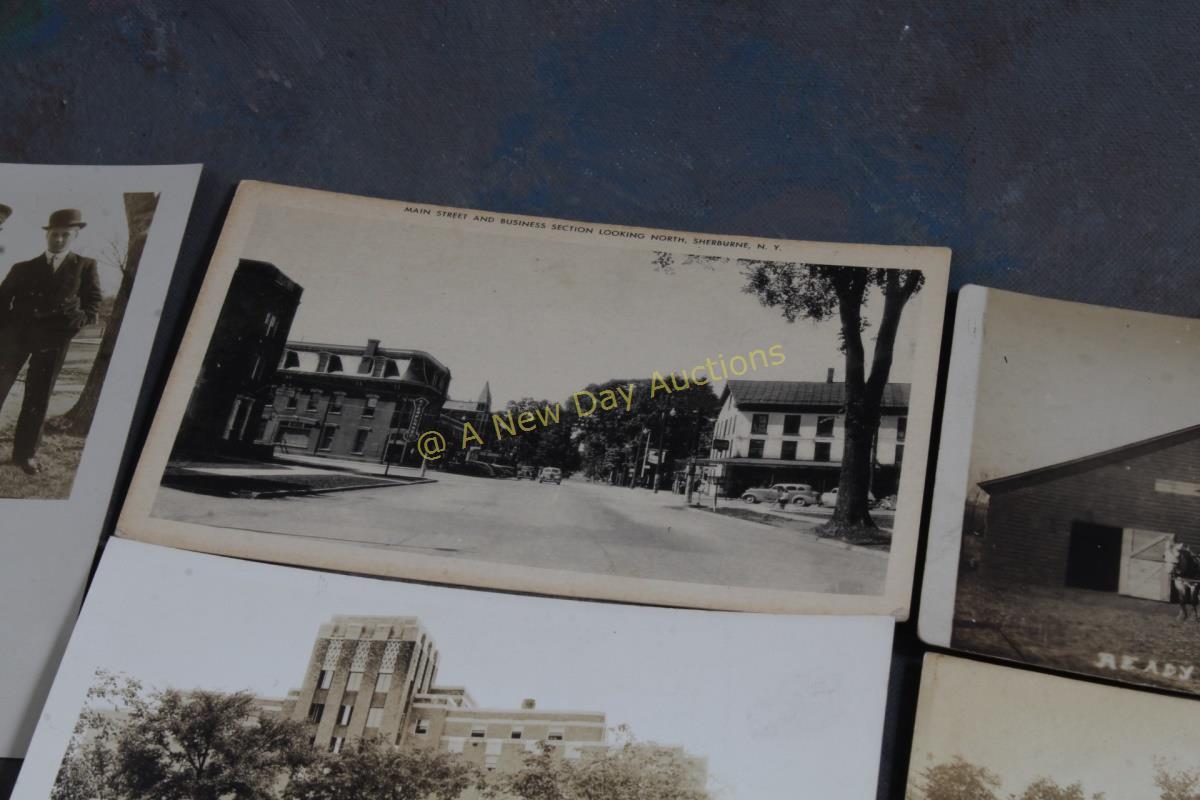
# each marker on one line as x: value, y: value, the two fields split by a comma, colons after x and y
x: 1022, y: 726
x: 1063, y: 380
x: 770, y: 700
x: 532, y: 320
x: 22, y: 237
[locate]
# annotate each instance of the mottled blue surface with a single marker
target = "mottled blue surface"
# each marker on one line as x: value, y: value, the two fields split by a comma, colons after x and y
x: 1053, y: 146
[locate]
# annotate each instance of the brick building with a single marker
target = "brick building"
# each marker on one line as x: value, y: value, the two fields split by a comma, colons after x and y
x: 456, y: 413
x: 1100, y: 522
x: 375, y: 677
x: 353, y: 402
x: 235, y: 376
x: 769, y: 432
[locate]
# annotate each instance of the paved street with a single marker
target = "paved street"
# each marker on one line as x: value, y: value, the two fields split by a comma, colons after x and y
x: 578, y: 526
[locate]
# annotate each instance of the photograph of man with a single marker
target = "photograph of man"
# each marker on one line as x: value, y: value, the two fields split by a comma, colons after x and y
x: 44, y: 302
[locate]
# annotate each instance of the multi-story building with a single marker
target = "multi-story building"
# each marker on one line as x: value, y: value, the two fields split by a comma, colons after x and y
x: 769, y: 432
x: 235, y: 376
x: 353, y: 402
x: 373, y: 677
x: 456, y: 413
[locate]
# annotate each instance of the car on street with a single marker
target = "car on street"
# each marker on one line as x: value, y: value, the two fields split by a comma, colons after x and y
x: 805, y: 495
x: 770, y: 494
x: 550, y: 475
x: 526, y: 471
x: 830, y: 498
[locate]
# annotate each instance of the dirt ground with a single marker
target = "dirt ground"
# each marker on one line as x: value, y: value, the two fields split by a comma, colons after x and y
x: 1096, y: 633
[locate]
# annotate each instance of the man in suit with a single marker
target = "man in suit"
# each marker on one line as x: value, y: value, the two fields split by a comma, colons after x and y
x: 44, y: 302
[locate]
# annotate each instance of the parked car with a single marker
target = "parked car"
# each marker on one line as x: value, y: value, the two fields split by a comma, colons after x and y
x: 804, y: 495
x: 550, y: 475
x: 526, y: 471
x: 830, y: 498
x: 770, y: 494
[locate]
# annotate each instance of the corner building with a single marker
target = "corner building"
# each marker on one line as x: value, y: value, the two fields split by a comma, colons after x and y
x: 374, y: 677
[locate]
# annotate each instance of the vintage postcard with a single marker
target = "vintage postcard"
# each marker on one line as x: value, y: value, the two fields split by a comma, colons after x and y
x: 556, y: 407
x: 86, y: 255
x: 191, y: 675
x: 1065, y: 527
x: 988, y: 732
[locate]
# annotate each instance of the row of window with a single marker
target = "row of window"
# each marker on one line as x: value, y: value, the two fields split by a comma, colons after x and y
x: 401, y: 417
x: 759, y: 424
x: 383, y: 683
x: 821, y: 451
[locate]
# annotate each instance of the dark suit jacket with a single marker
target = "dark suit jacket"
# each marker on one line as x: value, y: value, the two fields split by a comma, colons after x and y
x: 46, y: 308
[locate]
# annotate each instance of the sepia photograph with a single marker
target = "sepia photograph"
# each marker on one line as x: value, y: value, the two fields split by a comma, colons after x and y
x: 197, y: 676
x: 87, y: 254
x: 550, y: 406
x: 1079, y: 514
x: 986, y: 732
x: 69, y: 261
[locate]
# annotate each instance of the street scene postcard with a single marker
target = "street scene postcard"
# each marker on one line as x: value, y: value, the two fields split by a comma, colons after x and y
x: 557, y: 407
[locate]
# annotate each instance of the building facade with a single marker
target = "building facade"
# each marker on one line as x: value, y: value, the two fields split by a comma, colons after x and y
x: 353, y: 402
x: 770, y: 432
x: 233, y: 386
x: 375, y: 677
x: 1101, y: 522
x: 456, y: 414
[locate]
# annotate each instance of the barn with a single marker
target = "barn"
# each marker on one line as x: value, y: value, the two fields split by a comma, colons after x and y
x: 1100, y: 522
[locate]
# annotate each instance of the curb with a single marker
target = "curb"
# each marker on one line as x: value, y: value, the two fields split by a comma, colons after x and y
x: 835, y: 543
x: 275, y: 493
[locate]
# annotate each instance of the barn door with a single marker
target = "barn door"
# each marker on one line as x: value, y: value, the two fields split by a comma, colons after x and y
x: 1144, y: 568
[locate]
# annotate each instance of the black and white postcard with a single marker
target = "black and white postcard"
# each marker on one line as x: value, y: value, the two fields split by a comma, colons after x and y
x: 191, y: 675
x: 1065, y: 526
x: 558, y: 407
x: 86, y: 255
x: 987, y: 732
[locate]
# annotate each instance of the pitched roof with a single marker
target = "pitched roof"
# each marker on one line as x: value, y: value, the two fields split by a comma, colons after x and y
x: 805, y: 393
x: 461, y: 405
x: 1084, y: 463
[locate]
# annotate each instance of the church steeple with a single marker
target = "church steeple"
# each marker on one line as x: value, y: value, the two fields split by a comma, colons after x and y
x: 485, y: 397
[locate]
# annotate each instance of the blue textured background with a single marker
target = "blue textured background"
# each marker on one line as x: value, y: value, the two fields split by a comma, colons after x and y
x: 1053, y: 146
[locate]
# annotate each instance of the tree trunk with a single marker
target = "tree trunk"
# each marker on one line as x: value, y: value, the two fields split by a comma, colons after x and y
x: 864, y: 396
x: 139, y: 212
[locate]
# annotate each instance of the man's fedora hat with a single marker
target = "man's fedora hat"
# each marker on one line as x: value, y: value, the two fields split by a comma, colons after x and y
x: 65, y: 218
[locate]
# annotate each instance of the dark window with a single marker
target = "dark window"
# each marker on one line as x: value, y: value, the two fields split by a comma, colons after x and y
x: 791, y: 425
x: 335, y: 404
x: 315, y: 711
x: 821, y: 451
x: 292, y: 398
x: 369, y: 408
x: 313, y: 399
x: 788, y: 451
x: 291, y: 360
x: 756, y: 448
x: 324, y: 679
x: 402, y: 417
x: 390, y: 370
x: 759, y: 424
x: 825, y: 426
x: 901, y: 429
x: 899, y: 454
x: 366, y: 366
x: 360, y: 439
x: 478, y: 732
x: 334, y: 365
x: 516, y: 734
x: 326, y: 440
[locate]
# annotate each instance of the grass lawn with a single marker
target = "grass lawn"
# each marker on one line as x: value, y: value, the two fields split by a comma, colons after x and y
x: 1070, y: 629
x: 59, y: 456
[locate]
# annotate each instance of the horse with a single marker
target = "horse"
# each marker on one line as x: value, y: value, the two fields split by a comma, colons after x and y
x: 1185, y: 577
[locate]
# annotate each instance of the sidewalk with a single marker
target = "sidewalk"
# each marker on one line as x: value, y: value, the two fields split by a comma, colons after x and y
x: 273, y: 479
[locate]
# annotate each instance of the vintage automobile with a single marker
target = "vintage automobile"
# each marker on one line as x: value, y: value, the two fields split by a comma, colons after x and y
x: 550, y: 475
x: 804, y: 495
x: 829, y: 499
x: 770, y: 494
x: 527, y: 471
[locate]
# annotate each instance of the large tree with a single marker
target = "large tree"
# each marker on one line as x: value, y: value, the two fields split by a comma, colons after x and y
x: 818, y: 292
x: 956, y: 779
x: 372, y: 770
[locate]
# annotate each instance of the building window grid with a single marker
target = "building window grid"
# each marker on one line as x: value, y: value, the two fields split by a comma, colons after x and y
x: 756, y: 448
x: 360, y: 440
x: 354, y: 681
x: 791, y: 425
x: 822, y: 451
x: 825, y: 425
x: 759, y: 424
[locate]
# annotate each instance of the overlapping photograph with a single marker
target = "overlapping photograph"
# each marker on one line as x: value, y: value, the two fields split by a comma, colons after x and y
x: 1066, y: 516
x: 196, y: 676
x: 551, y: 406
